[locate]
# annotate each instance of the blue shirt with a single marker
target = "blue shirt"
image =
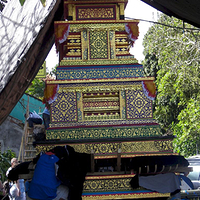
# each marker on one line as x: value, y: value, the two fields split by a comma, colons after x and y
x: 44, y: 183
x: 46, y: 111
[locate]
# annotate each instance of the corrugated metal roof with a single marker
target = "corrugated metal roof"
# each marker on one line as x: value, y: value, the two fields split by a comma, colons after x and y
x: 186, y: 10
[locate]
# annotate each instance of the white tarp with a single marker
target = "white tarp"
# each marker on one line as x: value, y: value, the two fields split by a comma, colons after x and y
x: 19, y: 26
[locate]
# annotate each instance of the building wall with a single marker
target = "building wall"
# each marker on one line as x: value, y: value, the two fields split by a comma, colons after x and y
x: 11, y: 131
x: 20, y: 109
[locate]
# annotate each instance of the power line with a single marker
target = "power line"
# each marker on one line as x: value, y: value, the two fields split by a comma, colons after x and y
x: 167, y: 25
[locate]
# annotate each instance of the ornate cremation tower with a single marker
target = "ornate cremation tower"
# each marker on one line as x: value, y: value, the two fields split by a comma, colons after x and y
x: 103, y: 104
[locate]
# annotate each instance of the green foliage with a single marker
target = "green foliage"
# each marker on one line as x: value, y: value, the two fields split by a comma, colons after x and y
x: 172, y: 57
x: 188, y: 129
x: 53, y: 71
x: 36, y: 89
x: 151, y: 68
x: 150, y: 65
x: 5, y: 159
x: 23, y: 1
x: 37, y: 86
x: 43, y: 2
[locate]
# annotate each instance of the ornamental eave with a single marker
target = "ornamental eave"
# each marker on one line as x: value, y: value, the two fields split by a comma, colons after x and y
x: 100, y: 80
x: 95, y: 21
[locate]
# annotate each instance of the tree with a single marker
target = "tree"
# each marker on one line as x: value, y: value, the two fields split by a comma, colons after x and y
x: 150, y: 65
x: 5, y: 159
x: 188, y: 129
x: 177, y: 79
x: 36, y: 88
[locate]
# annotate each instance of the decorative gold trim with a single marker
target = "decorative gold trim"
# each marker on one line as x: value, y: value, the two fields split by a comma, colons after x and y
x: 125, y: 196
x: 113, y: 108
x: 70, y: 37
x: 102, y: 36
x: 121, y: 103
x: 94, y: 1
x: 84, y: 44
x: 121, y: 35
x: 73, y: 53
x: 96, y: 99
x: 70, y: 9
x: 112, y: 44
x: 72, y: 47
x: 121, y: 8
x: 122, y: 46
x: 109, y: 177
x: 102, y: 88
x: 102, y: 81
x: 88, y: 6
x: 75, y: 45
x: 118, y: 52
x: 131, y: 155
x: 118, y: 12
x: 74, y: 11
x: 105, y: 149
x: 109, y: 42
x: 44, y: 148
x: 98, y: 62
x: 88, y: 45
x: 112, y: 22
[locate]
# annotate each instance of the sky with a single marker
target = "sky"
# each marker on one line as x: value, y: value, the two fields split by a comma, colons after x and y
x: 135, y: 9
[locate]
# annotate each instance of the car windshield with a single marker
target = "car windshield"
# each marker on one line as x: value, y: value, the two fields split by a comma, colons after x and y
x: 194, y: 176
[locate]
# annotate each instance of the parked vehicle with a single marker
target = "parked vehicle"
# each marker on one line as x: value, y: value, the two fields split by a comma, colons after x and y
x: 194, y: 176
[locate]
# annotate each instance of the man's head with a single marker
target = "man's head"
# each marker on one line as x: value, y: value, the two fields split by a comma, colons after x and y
x: 14, y: 162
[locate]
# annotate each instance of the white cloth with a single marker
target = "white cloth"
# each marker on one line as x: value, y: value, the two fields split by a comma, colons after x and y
x: 62, y: 192
x: 34, y: 115
x: 7, y: 172
x: 14, y: 191
x: 163, y: 183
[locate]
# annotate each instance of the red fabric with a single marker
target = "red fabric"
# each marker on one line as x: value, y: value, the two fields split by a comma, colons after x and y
x: 132, y: 31
x: 149, y: 88
x: 50, y: 92
x: 61, y: 33
x: 50, y: 153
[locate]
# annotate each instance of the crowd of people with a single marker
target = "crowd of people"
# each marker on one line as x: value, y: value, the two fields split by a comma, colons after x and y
x: 16, y: 190
x: 59, y: 174
x: 44, y: 184
x: 12, y: 190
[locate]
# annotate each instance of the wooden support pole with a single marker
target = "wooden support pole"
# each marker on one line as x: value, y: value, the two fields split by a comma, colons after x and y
x: 92, y: 161
x: 24, y: 136
x: 119, y: 160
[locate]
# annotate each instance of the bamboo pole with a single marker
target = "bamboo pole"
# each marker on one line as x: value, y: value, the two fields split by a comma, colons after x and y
x: 24, y: 136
